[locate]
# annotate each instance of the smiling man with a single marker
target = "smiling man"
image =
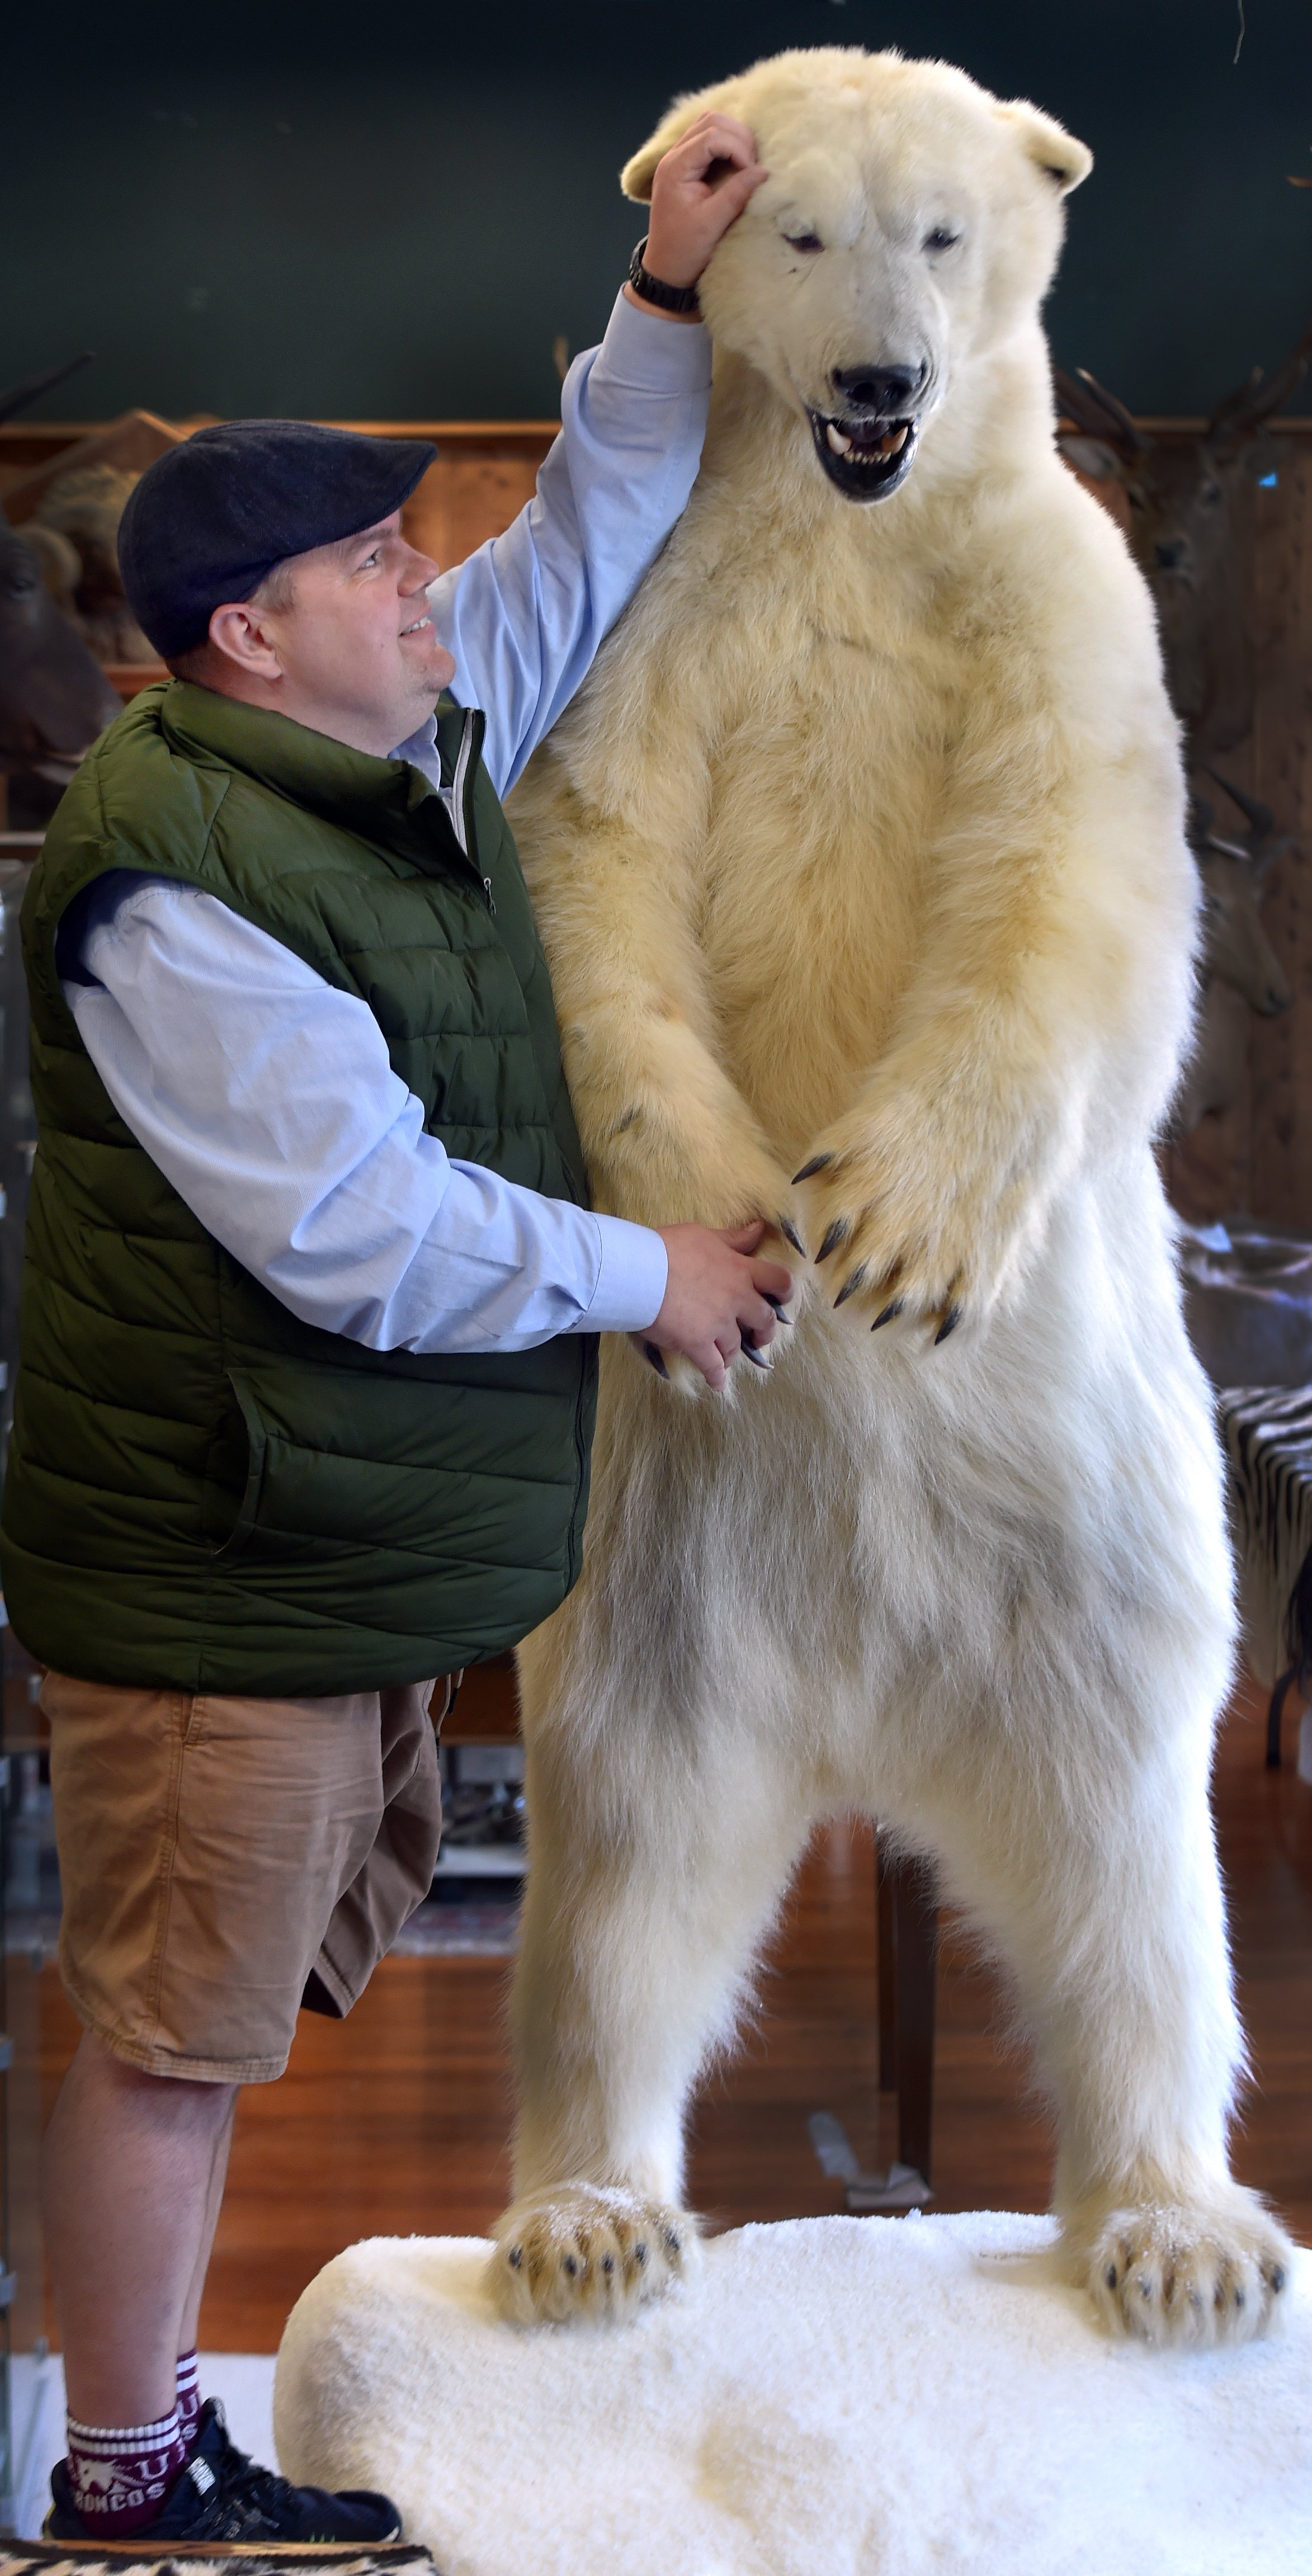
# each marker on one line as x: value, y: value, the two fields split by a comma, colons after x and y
x: 311, y: 1296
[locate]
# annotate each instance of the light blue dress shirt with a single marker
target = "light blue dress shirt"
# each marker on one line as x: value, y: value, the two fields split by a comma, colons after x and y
x: 264, y: 1094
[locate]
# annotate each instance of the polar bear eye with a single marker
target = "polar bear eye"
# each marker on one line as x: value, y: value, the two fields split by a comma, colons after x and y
x: 804, y: 241
x: 941, y: 239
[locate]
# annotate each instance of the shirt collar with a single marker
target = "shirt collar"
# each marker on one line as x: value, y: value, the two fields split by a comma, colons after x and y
x: 420, y: 749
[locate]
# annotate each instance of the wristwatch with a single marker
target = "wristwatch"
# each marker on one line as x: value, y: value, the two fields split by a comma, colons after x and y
x: 653, y: 290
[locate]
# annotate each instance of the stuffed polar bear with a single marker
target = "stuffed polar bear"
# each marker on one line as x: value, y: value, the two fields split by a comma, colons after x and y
x: 861, y: 868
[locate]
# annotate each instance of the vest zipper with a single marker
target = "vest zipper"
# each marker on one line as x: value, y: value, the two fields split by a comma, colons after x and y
x: 462, y: 812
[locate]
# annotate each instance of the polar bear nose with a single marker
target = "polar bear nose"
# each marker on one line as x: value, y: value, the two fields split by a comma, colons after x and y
x: 888, y: 392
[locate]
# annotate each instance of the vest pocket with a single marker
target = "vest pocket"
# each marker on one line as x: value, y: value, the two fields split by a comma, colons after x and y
x: 445, y: 1460
x: 257, y: 1450
x: 433, y: 1499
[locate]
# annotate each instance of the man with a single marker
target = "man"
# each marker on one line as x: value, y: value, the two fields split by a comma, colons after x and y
x: 311, y: 1294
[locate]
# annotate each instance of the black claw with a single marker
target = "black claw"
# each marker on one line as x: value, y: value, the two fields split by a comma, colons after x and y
x: 657, y: 1357
x: 894, y: 1307
x: 790, y: 1234
x: 640, y: 2254
x: 835, y: 1234
x: 857, y: 1279
x: 750, y: 1352
x: 778, y: 1305
x: 948, y: 1325
x: 571, y: 2266
x: 1110, y: 2276
x: 515, y: 2257
x: 1278, y: 2278
x: 608, y: 2264
x: 674, y: 2242
x: 818, y: 1163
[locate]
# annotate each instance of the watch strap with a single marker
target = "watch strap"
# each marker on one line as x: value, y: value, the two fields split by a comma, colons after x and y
x: 653, y: 290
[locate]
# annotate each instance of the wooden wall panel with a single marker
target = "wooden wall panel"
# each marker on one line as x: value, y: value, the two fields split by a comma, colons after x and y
x: 1208, y: 1173
x: 471, y: 493
x: 1279, y: 1175
x: 1259, y: 1156
x: 483, y: 473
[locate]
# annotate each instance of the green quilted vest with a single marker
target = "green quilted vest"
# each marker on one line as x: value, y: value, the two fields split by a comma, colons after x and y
x: 203, y: 1493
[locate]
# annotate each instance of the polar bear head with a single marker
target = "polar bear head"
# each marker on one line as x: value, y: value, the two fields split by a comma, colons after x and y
x: 909, y: 227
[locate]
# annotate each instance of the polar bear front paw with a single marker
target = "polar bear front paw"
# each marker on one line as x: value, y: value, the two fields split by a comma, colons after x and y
x: 587, y: 2252
x: 1175, y: 2273
x: 920, y: 1221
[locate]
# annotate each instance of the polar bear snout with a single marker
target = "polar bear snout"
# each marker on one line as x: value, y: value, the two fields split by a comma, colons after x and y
x: 882, y: 393
x: 867, y: 444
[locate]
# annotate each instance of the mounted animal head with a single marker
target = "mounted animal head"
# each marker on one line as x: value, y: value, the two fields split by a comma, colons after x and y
x: 1182, y: 493
x: 54, y: 697
x: 1236, y: 949
x: 85, y: 508
x: 909, y: 227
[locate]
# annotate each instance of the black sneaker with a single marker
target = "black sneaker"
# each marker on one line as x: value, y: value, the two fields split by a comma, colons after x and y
x: 221, y: 2495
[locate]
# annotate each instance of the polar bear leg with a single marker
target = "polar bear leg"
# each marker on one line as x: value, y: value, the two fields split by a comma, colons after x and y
x: 1081, y: 1841
x: 657, y: 1857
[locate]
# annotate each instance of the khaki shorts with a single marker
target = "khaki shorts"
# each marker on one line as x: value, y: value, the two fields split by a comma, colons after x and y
x: 225, y: 1860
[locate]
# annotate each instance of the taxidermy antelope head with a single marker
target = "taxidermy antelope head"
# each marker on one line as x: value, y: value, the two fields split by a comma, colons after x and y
x: 1240, y: 970
x: 1236, y: 949
x: 1183, y: 528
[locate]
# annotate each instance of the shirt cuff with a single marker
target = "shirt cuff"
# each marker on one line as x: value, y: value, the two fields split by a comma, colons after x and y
x: 630, y: 1289
x: 654, y: 356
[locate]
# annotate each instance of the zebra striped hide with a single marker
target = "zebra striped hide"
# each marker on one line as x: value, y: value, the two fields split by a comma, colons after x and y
x: 1268, y: 1438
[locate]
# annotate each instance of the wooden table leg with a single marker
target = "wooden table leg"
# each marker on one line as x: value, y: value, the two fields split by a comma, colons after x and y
x: 916, y: 1902
x: 886, y: 1962
x: 908, y: 1965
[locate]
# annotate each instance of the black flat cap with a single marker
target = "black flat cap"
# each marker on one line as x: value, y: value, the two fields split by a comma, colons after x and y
x: 211, y: 517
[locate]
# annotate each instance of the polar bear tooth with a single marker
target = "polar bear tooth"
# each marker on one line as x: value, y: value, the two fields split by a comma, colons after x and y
x: 840, y: 445
x: 896, y: 438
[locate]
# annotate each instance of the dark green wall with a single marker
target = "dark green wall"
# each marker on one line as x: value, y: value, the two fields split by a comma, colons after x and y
x: 350, y: 210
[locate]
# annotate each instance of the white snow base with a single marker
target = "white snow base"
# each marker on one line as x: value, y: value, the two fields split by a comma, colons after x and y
x: 835, y: 2397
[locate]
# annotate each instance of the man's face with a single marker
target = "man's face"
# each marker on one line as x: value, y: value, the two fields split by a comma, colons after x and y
x: 343, y: 641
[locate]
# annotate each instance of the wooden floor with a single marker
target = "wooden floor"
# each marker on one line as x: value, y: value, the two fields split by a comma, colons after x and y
x: 396, y: 2121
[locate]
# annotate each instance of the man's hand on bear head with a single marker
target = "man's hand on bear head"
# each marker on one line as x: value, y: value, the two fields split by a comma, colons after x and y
x: 701, y: 187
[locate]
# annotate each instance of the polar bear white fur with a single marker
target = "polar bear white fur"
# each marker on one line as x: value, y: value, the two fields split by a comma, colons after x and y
x: 862, y: 851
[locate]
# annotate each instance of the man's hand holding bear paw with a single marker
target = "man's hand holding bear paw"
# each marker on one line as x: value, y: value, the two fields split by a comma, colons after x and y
x: 720, y: 1297
x: 923, y: 1212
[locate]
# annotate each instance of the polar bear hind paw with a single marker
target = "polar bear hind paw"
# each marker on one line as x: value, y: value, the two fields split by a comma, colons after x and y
x: 587, y: 2253
x: 1174, y: 2274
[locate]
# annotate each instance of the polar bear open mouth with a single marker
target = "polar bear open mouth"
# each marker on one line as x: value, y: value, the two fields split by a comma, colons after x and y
x: 866, y: 459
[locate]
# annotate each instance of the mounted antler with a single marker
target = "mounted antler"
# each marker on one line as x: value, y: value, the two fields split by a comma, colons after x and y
x: 19, y: 396
x: 1245, y: 411
x: 1089, y: 404
x: 1183, y: 524
x: 1264, y: 845
x: 1241, y: 971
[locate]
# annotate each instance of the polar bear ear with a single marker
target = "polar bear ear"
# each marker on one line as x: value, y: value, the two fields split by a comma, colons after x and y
x: 637, y: 175
x: 1045, y: 142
